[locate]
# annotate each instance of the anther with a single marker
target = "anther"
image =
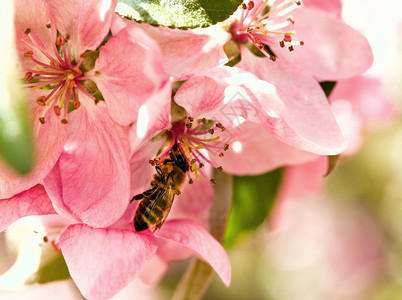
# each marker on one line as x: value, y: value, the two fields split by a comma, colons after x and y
x: 54, y: 63
x: 273, y: 58
x: 60, y: 41
x: 57, y: 110
x: 189, y: 125
x: 301, y: 43
x: 28, y: 54
x: 48, y: 25
x: 291, y: 20
x: 28, y: 77
x: 298, y: 2
x: 291, y: 48
x: 213, y: 181
x: 219, y: 168
x: 287, y: 38
x: 282, y: 44
x: 226, y: 147
x: 211, y: 131
x: 191, y: 119
x: 42, y: 120
x: 221, y: 154
x: 200, y: 165
x: 220, y: 126
x: 76, y: 104
x: 45, y: 239
x: 250, y: 5
x: 97, y: 73
x: 27, y: 31
x: 191, y: 181
x: 41, y: 101
x: 96, y: 101
x: 244, y: 6
x: 203, y: 120
x: 64, y: 121
x: 67, y: 37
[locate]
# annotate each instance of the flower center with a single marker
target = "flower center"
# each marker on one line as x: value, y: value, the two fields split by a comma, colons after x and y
x: 195, y: 138
x: 58, y: 73
x: 267, y: 24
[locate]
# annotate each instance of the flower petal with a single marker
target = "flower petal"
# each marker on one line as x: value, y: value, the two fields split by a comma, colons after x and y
x: 33, y: 15
x: 87, y: 22
x: 91, y: 180
x: 32, y: 202
x: 306, y: 121
x: 254, y: 150
x: 332, y: 50
x: 195, y: 237
x: 190, y: 51
x: 103, y: 261
x: 333, y: 8
x: 128, y: 72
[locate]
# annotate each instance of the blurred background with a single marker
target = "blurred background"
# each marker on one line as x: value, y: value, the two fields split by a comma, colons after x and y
x: 338, y: 237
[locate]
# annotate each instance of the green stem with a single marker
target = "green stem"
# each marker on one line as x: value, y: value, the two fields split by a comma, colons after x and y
x: 198, y: 275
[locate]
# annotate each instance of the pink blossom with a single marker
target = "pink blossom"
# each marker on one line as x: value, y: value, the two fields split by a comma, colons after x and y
x: 115, y: 255
x: 321, y: 45
x: 72, y: 144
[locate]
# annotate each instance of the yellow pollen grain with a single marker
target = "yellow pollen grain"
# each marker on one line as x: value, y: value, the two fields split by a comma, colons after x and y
x: 70, y: 77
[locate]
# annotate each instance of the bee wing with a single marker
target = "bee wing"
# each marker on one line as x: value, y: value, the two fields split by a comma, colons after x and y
x: 163, y: 201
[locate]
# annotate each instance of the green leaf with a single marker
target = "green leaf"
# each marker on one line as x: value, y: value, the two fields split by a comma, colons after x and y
x: 16, y: 142
x: 328, y: 87
x: 253, y: 197
x: 181, y: 14
x: 55, y: 270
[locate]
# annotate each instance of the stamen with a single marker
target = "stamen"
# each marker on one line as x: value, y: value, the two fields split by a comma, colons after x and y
x: 226, y: 147
x: 42, y: 120
x: 41, y: 101
x: 213, y: 181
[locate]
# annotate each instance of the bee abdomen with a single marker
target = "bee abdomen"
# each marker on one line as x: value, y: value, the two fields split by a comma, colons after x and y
x: 147, y: 215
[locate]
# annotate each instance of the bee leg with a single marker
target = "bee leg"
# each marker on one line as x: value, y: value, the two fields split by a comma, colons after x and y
x: 137, y: 197
x: 144, y: 194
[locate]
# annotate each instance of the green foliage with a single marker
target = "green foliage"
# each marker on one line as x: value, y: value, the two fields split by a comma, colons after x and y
x: 181, y: 14
x: 327, y: 87
x: 16, y: 142
x: 55, y: 270
x: 253, y: 198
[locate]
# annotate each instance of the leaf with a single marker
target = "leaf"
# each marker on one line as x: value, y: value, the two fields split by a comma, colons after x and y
x: 253, y: 197
x: 16, y: 142
x: 181, y: 14
x: 56, y: 269
x: 328, y: 87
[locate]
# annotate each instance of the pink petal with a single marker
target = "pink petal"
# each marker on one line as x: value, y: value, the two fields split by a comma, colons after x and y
x: 195, y: 237
x: 195, y: 201
x: 332, y: 50
x: 154, y: 270
x: 306, y: 121
x: 254, y: 150
x: 50, y: 138
x: 34, y: 15
x: 87, y: 22
x: 368, y: 96
x: 333, y: 7
x: 103, y: 261
x: 190, y: 51
x: 33, y: 202
x: 91, y: 180
x: 128, y: 72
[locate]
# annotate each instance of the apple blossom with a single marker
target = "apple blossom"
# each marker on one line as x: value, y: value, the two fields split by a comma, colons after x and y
x: 75, y: 130
x: 117, y: 249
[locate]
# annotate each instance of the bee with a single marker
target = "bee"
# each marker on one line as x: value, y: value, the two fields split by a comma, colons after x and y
x: 165, y: 185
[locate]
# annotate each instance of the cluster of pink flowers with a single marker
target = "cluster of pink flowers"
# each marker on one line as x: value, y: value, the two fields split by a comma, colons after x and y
x: 93, y: 152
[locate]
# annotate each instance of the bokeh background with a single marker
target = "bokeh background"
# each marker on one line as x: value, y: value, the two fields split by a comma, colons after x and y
x: 338, y: 237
